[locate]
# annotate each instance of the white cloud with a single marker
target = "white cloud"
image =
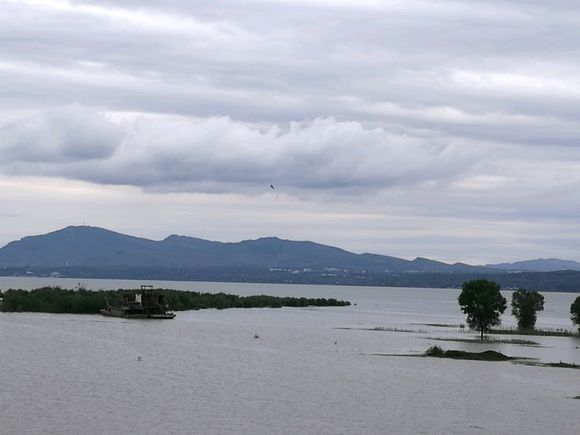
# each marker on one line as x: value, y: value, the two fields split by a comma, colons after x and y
x: 222, y: 155
x: 146, y: 19
x: 513, y: 83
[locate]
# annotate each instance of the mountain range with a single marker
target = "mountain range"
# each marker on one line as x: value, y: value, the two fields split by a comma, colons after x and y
x: 84, y: 246
x: 91, y: 252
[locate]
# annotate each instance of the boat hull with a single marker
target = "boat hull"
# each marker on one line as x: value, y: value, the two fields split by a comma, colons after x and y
x: 123, y: 314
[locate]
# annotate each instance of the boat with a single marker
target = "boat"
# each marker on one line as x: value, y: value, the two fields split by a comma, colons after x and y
x: 141, y: 304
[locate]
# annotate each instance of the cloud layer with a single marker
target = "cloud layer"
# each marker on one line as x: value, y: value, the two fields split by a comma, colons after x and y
x: 221, y: 155
x: 462, y: 114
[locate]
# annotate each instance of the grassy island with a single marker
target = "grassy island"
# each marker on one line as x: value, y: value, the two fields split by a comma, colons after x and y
x: 488, y: 355
x: 82, y: 301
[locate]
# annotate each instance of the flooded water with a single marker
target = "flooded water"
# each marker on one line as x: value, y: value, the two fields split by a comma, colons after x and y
x: 310, y: 370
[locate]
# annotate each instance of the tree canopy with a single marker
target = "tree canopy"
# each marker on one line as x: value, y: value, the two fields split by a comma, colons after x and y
x: 525, y: 305
x: 483, y: 304
x: 575, y: 312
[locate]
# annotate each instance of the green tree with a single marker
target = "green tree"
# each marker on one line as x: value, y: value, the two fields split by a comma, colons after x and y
x: 483, y: 303
x: 575, y: 312
x: 525, y: 305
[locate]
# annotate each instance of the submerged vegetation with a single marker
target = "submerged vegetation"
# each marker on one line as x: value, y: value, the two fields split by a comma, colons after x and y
x: 383, y: 329
x: 442, y: 325
x: 82, y: 301
x: 561, y: 364
x: 544, y: 332
x: 488, y: 340
x: 564, y: 365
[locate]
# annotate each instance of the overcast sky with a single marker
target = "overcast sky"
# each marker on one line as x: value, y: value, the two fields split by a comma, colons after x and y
x: 443, y: 129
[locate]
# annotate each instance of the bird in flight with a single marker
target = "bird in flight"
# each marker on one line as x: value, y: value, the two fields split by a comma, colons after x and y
x: 272, y: 187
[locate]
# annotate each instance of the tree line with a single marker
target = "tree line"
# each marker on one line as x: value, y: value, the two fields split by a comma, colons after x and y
x: 82, y: 301
x: 483, y: 303
x: 481, y: 300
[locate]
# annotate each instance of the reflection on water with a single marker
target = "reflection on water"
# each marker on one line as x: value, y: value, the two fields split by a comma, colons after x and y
x: 205, y: 372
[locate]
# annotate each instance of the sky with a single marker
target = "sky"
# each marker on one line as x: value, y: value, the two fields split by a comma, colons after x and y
x: 442, y: 129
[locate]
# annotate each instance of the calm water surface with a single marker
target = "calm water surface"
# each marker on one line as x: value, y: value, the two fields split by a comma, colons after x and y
x: 205, y: 373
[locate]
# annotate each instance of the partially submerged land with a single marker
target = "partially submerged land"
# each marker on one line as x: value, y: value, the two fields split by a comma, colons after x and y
x: 438, y: 352
x: 543, y: 332
x: 81, y: 301
x: 486, y: 355
x: 384, y: 329
x: 491, y: 355
x: 488, y: 340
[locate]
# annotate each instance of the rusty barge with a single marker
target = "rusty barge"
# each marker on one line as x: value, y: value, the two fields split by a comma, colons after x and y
x: 141, y: 304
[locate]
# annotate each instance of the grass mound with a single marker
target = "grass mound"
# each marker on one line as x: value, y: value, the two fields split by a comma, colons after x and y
x: 488, y: 355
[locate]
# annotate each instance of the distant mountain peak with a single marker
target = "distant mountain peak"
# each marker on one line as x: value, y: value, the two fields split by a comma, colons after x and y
x: 538, y: 265
x: 83, y: 228
x: 267, y: 239
x: 79, y: 229
x: 180, y: 237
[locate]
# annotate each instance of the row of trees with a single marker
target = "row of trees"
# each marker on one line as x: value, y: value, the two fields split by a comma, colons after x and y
x: 81, y: 301
x: 483, y: 303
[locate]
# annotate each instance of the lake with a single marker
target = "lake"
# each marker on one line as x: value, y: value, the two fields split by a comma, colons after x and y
x: 311, y: 370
